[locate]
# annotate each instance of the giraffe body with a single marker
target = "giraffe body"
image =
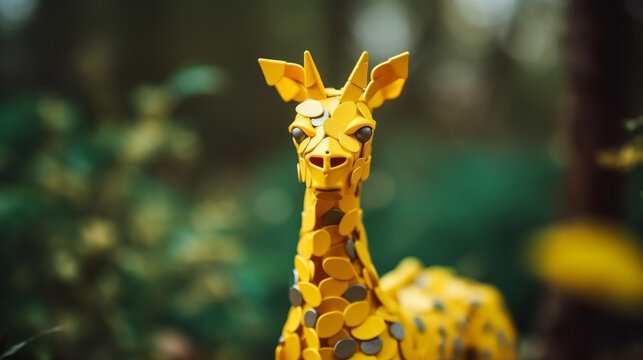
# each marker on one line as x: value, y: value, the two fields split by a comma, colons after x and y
x: 341, y: 308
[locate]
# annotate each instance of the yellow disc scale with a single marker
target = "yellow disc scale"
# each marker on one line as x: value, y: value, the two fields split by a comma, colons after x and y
x: 329, y: 324
x: 311, y: 293
x: 369, y: 329
x: 356, y: 313
x: 311, y: 354
x: 339, y: 268
x: 294, y: 319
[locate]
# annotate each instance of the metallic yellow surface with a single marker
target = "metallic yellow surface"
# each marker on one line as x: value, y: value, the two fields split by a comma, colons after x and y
x: 341, y: 308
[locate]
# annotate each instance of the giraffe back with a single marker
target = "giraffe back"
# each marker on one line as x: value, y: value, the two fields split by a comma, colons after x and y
x: 450, y: 317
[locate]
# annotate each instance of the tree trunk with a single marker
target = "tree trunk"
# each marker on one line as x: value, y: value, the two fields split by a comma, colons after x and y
x: 595, y: 49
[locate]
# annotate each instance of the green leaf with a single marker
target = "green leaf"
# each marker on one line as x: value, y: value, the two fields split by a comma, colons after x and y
x: 12, y: 350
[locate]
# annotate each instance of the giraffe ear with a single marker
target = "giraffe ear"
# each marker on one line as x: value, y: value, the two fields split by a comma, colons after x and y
x: 387, y: 80
x: 287, y: 78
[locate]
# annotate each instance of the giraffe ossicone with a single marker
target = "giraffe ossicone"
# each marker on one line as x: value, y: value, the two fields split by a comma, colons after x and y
x: 341, y: 308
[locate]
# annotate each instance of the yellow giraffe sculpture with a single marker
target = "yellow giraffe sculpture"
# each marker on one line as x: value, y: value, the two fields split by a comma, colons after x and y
x: 341, y: 309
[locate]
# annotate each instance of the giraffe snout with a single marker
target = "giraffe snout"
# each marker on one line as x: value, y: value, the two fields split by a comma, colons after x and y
x: 327, y: 162
x: 329, y: 165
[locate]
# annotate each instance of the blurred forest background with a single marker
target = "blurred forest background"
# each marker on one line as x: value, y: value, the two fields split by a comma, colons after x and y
x: 149, y: 205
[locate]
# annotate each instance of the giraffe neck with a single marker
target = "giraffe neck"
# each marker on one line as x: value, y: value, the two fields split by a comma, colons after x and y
x: 332, y: 258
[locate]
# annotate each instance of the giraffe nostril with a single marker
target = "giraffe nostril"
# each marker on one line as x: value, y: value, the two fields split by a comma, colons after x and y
x: 317, y: 161
x: 336, y: 161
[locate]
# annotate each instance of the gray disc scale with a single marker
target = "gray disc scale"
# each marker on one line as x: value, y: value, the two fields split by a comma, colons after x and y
x: 345, y: 348
x: 397, y: 331
x: 310, y: 318
x: 332, y: 217
x: 371, y: 347
x: 355, y: 292
x: 419, y: 324
x: 295, y: 296
x: 350, y: 249
x: 319, y: 121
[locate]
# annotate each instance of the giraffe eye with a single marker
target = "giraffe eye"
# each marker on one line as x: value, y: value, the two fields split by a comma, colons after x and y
x: 298, y: 134
x: 364, y: 134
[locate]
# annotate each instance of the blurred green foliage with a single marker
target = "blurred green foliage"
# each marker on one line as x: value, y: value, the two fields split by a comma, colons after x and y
x: 105, y: 238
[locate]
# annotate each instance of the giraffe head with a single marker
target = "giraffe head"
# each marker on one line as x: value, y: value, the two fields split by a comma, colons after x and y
x: 333, y: 129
